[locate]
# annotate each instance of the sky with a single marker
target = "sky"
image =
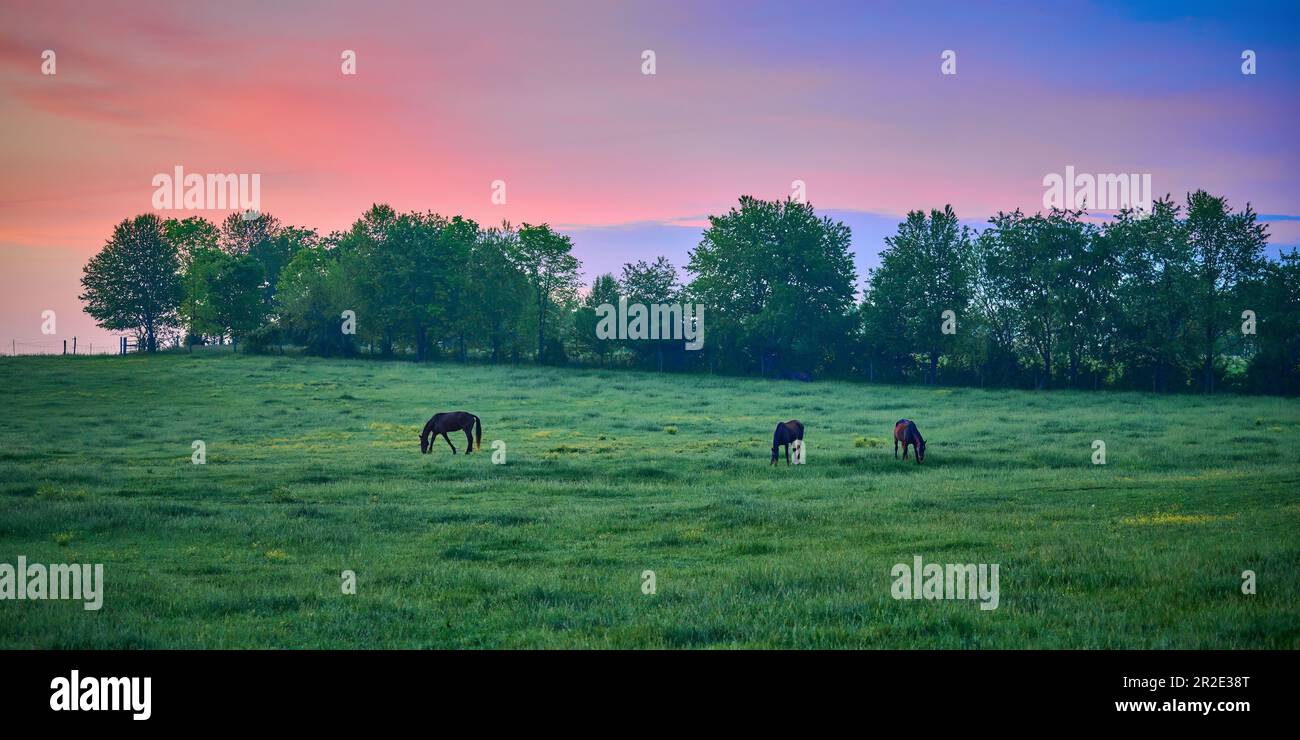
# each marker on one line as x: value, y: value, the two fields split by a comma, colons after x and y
x: 551, y: 99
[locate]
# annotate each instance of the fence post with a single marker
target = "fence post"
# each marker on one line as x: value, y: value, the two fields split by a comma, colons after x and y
x: 65, y: 346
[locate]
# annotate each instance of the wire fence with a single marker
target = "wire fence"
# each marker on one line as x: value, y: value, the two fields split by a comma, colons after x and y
x: 69, y: 346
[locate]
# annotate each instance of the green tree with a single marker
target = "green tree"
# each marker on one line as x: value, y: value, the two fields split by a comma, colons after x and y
x: 885, y: 353
x: 1027, y: 263
x: 193, y: 237
x: 649, y: 283
x: 133, y: 283
x: 1152, y: 311
x: 238, y: 287
x: 927, y: 268
x: 226, y: 294
x: 552, y: 273
x: 1275, y: 366
x: 239, y: 235
x: 498, y: 289
x: 777, y: 283
x: 1085, y: 284
x: 313, y: 293
x: 455, y: 244
x: 604, y: 290
x: 195, y: 309
x: 367, y: 259
x: 190, y: 235
x: 1227, y: 252
x: 275, y: 252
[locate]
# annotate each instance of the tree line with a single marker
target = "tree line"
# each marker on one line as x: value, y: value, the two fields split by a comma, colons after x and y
x: 1181, y: 298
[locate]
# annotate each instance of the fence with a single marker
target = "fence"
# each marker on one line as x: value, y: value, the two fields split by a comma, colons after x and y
x: 119, y: 345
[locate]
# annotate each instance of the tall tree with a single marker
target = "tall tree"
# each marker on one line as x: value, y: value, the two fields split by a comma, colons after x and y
x: 133, y: 283
x: 1027, y: 261
x: 1152, y: 311
x: 275, y: 252
x: 1275, y: 366
x: 313, y: 293
x: 552, y: 271
x: 778, y: 283
x: 226, y: 294
x: 366, y: 256
x: 926, y: 269
x: 1227, y: 251
x: 650, y: 283
x: 498, y: 288
x: 1085, y: 288
x: 604, y: 290
x: 193, y: 237
x: 455, y: 244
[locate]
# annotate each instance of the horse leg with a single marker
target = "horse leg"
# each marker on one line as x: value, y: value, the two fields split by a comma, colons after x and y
x: 469, y: 441
x: 449, y: 444
x: 787, y: 453
x: 904, y: 449
x: 895, y: 448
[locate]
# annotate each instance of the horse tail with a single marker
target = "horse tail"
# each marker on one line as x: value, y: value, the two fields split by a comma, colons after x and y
x: 478, y: 433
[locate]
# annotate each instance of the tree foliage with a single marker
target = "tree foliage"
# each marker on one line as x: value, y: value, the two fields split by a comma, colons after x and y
x: 1181, y: 298
x: 133, y: 283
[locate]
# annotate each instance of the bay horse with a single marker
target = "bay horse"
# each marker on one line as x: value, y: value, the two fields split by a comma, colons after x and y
x: 905, y: 431
x: 787, y: 432
x: 452, y: 421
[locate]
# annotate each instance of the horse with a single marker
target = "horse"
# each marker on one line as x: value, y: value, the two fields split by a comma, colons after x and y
x: 452, y: 421
x: 787, y: 432
x: 905, y: 431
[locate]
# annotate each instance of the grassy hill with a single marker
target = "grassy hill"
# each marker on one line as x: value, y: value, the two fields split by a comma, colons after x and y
x: 313, y: 468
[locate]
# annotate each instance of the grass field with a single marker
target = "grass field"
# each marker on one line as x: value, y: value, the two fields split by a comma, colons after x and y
x: 313, y: 468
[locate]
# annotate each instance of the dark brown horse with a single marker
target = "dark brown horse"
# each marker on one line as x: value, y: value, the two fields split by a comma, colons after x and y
x: 905, y: 431
x: 452, y: 421
x: 786, y: 432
